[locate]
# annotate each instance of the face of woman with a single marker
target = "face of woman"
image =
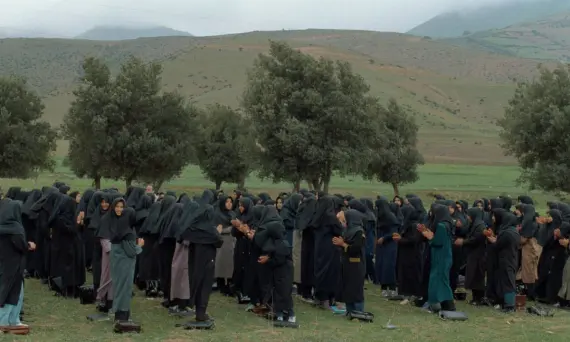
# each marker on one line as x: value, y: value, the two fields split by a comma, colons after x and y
x: 104, y: 205
x: 241, y: 208
x: 341, y: 218
x: 279, y: 204
x: 451, y: 210
x: 398, y: 201
x: 78, y: 198
x: 229, y: 204
x: 480, y: 205
x: 119, y: 208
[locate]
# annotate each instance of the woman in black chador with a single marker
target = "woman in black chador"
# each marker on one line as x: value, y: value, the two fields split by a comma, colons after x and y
x: 204, y: 240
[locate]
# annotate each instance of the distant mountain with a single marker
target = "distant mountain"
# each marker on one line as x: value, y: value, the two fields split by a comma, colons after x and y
x: 458, y: 23
x: 14, y: 32
x: 126, y: 33
x: 548, y: 39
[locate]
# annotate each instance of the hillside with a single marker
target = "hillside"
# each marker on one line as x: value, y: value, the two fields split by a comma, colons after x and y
x: 456, y: 24
x: 111, y: 33
x: 548, y: 38
x: 455, y: 93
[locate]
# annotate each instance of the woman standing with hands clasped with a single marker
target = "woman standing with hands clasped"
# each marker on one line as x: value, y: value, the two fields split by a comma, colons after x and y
x: 13, y: 248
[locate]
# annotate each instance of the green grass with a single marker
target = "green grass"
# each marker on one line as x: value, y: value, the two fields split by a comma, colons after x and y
x: 457, y: 181
x: 55, y: 319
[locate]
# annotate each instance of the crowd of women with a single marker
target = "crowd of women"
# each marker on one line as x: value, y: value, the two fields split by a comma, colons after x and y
x: 261, y: 250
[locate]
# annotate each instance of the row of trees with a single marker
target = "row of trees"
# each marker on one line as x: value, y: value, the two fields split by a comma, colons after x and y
x: 302, y: 119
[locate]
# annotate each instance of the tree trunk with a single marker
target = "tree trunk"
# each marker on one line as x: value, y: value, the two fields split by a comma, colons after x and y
x: 297, y: 185
x: 97, y: 182
x: 326, y: 186
x: 241, y: 184
x: 396, y: 189
x: 157, y: 185
x: 218, y: 184
x: 129, y: 181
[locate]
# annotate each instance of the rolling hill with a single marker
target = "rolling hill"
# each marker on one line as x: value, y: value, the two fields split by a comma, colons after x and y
x: 456, y: 93
x: 547, y: 38
x: 111, y: 33
x: 456, y: 24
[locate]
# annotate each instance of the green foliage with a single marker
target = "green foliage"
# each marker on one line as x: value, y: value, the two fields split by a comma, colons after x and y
x: 85, y: 124
x: 225, y: 147
x: 535, y: 130
x: 397, y: 161
x: 125, y: 129
x: 310, y: 116
x: 26, y: 142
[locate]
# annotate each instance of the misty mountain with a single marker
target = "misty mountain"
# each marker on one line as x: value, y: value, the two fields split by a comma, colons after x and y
x: 456, y: 24
x: 13, y: 32
x: 126, y: 33
x: 546, y: 39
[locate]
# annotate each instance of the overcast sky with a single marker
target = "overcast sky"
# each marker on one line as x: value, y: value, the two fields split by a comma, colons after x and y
x: 209, y: 17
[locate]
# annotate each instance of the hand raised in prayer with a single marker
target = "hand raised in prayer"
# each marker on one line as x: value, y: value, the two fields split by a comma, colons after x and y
x: 428, y: 234
x: 236, y: 223
x: 31, y: 246
x: 263, y: 259
x: 492, y: 239
x: 458, y: 242
x: 380, y: 241
x: 396, y: 237
x: 219, y: 228
x: 564, y: 242
x: 250, y: 234
x: 140, y: 242
x: 244, y: 228
x: 338, y: 241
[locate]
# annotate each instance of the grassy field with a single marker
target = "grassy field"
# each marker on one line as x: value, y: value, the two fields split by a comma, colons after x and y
x: 56, y: 319
x: 455, y: 181
x: 455, y: 93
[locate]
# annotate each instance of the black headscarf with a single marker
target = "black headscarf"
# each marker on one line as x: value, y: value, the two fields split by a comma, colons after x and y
x: 504, y: 220
x: 326, y: 213
x: 67, y: 214
x: 11, y: 217
x: 525, y: 199
x: 134, y: 197
x: 247, y: 216
x: 188, y: 211
x: 13, y: 192
x: 97, y: 214
x: 33, y: 197
x: 168, y: 224
x: 354, y: 225
x: 257, y: 212
x: 143, y: 208
x: 305, y: 212
x: 528, y: 226
x: 118, y: 228
x: 202, y: 229
x: 441, y: 215
x: 385, y: 215
x: 222, y: 215
x: 289, y: 211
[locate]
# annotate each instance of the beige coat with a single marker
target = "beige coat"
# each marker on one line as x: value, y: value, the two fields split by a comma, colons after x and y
x: 225, y: 255
x: 528, y: 272
x: 297, y: 242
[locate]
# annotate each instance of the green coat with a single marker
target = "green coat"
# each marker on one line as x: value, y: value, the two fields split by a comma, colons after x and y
x: 441, y: 259
x: 123, y: 261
